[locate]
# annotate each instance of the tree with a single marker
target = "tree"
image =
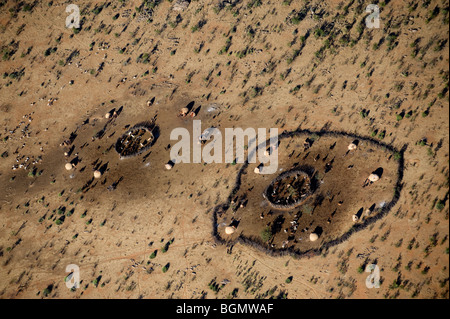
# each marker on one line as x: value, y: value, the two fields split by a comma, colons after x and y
x: 440, y: 205
x: 266, y: 234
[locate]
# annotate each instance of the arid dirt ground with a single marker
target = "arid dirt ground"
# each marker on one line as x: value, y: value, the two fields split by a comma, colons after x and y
x: 289, y: 65
x: 339, y: 193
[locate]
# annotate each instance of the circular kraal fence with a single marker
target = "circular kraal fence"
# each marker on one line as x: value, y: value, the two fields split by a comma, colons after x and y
x: 136, y: 140
x: 289, y: 190
x: 243, y: 237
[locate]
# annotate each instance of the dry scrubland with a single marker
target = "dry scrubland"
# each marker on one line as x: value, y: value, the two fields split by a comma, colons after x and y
x: 140, y: 231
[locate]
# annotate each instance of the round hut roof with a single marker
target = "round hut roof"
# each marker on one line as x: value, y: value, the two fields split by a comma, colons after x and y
x: 374, y: 177
x: 107, y: 115
x: 313, y: 237
x: 97, y: 174
x: 168, y: 166
x: 230, y: 230
x: 352, y: 147
x: 68, y: 166
x: 268, y: 151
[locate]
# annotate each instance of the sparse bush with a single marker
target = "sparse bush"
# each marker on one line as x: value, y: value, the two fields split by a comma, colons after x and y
x: 254, y: 3
x: 26, y: 8
x: 266, y: 234
x: 440, y: 205
x: 46, y: 291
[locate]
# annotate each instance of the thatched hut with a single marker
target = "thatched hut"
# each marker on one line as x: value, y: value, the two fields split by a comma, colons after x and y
x: 313, y: 237
x: 183, y: 112
x: 229, y: 230
x: 371, y: 179
x: 169, y: 166
x: 268, y: 151
x: 68, y: 166
x: 259, y: 169
x: 97, y: 174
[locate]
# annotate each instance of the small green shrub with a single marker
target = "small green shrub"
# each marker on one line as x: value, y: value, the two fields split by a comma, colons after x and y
x: 266, y: 234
